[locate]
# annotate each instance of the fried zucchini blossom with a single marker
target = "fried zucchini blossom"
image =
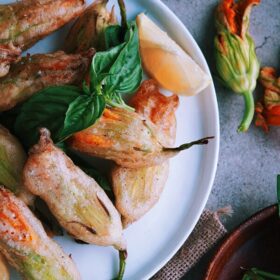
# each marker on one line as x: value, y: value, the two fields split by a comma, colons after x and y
x: 268, y: 111
x: 126, y: 138
x: 26, y: 246
x: 75, y: 199
x: 36, y: 72
x: 236, y: 60
x: 79, y: 204
x: 24, y: 23
x: 137, y: 190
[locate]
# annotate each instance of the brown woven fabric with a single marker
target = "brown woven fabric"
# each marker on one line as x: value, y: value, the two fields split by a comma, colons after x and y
x: 207, y: 232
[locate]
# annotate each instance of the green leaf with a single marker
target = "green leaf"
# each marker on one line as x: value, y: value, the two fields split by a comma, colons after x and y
x: 45, y: 109
x: 113, y: 36
x: 86, y: 89
x: 118, y: 70
x: 63, y: 110
x: 101, y: 65
x: 126, y: 73
x: 82, y: 113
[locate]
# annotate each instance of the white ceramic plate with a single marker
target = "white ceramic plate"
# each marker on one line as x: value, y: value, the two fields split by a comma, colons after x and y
x: 155, y: 238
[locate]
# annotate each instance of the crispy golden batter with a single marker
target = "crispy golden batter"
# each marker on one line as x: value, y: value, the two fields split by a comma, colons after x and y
x: 85, y: 32
x: 4, y: 272
x: 24, y: 23
x: 124, y: 137
x: 27, y: 247
x: 8, y: 54
x: 157, y: 108
x: 75, y: 199
x: 39, y: 71
x: 12, y: 160
x: 138, y: 190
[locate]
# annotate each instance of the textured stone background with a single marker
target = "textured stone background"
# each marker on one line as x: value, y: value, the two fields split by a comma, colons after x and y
x: 248, y: 164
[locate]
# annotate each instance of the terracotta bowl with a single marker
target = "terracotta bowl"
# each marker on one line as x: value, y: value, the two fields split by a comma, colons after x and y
x: 256, y: 243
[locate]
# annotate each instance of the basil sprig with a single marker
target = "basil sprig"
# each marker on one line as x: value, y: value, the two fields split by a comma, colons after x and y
x: 65, y: 110
x: 118, y: 70
x: 113, y: 36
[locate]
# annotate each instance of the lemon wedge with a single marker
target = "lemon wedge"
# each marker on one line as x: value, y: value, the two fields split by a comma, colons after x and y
x: 166, y: 62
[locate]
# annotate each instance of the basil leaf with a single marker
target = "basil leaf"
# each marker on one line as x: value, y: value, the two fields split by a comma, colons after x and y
x: 86, y: 89
x: 101, y: 65
x: 45, y: 109
x: 113, y: 36
x: 126, y: 73
x: 82, y: 113
x: 118, y: 71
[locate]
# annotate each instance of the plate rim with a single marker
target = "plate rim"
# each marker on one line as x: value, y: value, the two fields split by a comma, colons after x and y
x: 216, y: 147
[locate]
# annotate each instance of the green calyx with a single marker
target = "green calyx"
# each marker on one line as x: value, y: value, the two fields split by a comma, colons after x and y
x: 236, y: 61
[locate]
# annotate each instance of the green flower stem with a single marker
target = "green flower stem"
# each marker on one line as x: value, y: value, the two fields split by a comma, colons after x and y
x: 122, y: 257
x: 203, y: 141
x: 119, y: 105
x: 123, y: 13
x: 249, y: 111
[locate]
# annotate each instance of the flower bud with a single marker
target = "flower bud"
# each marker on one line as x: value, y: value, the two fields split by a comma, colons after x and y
x: 236, y: 59
x: 237, y: 62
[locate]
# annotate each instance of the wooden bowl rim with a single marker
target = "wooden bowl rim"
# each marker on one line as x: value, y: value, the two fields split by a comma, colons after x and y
x: 255, y: 219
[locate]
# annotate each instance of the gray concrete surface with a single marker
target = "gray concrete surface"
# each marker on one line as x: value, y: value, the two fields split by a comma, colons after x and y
x: 248, y: 164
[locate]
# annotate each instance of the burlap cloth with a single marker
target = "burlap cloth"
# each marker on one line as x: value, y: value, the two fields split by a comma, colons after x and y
x: 208, y: 231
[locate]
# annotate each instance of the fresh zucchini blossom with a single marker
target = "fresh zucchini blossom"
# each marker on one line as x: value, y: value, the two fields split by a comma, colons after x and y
x: 235, y: 54
x: 268, y: 111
